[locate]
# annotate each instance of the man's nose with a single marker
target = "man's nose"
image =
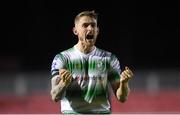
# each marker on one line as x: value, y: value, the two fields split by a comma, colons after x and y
x: 90, y: 28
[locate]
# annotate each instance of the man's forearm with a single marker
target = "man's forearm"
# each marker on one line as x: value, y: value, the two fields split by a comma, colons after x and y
x: 122, y: 92
x: 57, y: 91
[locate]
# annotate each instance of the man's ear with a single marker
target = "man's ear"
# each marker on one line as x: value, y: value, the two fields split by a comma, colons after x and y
x: 75, y: 31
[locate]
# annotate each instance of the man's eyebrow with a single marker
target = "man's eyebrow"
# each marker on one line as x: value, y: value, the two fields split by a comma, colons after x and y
x: 89, y: 23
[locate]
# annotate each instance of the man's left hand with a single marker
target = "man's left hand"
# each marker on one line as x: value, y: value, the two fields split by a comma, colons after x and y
x: 126, y: 75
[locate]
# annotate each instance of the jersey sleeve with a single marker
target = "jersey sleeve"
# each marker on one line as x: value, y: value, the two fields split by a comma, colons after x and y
x: 57, y: 63
x: 115, y: 70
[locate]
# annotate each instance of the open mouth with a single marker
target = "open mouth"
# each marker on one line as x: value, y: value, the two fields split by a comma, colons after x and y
x: 89, y: 37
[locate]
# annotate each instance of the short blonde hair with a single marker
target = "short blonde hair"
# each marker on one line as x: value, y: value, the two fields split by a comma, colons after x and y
x: 92, y: 14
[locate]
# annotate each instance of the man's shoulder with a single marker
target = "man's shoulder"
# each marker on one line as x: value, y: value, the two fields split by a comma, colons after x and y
x: 103, y: 52
x: 66, y: 51
x: 63, y: 53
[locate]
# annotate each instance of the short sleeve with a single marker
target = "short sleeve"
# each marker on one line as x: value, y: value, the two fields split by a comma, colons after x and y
x: 115, y: 70
x: 57, y: 63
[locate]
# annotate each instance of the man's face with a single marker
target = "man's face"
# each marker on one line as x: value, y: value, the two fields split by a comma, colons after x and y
x: 86, y: 29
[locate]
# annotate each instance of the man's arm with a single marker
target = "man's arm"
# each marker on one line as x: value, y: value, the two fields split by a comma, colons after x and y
x: 123, y: 90
x: 59, y: 85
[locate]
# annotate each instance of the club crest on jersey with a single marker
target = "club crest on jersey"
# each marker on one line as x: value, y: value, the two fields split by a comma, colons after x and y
x: 77, y: 66
x: 99, y: 65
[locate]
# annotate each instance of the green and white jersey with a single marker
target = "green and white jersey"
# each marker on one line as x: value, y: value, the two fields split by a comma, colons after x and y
x: 88, y: 92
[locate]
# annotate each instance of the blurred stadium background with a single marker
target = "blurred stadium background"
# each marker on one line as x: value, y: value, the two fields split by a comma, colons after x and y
x: 143, y: 35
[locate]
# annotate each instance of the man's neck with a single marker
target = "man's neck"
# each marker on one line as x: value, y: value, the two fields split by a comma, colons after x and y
x: 84, y: 48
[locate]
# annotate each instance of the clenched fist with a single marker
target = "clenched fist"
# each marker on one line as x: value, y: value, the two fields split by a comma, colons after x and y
x: 66, y: 76
x: 126, y: 75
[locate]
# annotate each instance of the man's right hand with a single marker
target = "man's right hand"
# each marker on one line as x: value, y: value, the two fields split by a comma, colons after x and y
x: 59, y: 84
x: 66, y: 76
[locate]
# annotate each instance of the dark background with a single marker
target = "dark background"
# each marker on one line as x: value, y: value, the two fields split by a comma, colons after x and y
x: 143, y: 35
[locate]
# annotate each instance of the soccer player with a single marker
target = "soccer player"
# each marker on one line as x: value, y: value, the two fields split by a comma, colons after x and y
x: 82, y: 75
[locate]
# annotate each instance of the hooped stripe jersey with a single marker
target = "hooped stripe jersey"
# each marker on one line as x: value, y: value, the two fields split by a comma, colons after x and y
x: 92, y: 72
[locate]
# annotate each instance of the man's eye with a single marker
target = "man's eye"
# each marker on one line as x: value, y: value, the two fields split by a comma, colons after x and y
x: 85, y: 25
x: 89, y: 24
x: 93, y: 25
